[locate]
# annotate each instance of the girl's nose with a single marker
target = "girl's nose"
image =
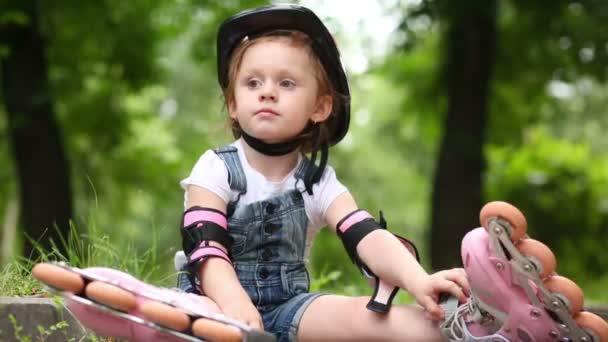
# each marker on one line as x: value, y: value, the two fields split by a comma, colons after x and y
x: 268, y: 93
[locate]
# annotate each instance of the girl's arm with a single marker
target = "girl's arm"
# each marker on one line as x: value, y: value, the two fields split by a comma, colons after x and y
x: 389, y: 260
x: 381, y: 251
x: 218, y: 278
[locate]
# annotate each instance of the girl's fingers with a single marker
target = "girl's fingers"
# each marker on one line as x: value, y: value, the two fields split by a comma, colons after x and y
x: 432, y: 308
x: 458, y: 276
x: 452, y: 288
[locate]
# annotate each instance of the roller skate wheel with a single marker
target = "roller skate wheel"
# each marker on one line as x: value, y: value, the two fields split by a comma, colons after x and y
x: 58, y: 277
x: 111, y: 295
x: 507, y: 212
x: 593, y: 324
x: 539, y: 254
x: 216, y: 331
x: 568, y: 290
x: 165, y: 315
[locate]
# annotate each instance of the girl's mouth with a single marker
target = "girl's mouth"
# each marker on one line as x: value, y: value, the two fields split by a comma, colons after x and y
x: 266, y: 111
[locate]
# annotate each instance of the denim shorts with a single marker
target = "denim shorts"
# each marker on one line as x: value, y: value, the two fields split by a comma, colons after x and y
x: 284, y: 320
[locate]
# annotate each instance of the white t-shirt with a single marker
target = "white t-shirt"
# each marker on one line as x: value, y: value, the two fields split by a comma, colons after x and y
x: 211, y: 173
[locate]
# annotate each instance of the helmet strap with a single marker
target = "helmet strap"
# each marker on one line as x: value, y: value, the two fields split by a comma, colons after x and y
x: 273, y: 150
x: 313, y: 175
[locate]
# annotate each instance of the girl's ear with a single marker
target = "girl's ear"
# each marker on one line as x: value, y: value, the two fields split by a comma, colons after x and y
x: 231, y: 107
x: 324, y: 107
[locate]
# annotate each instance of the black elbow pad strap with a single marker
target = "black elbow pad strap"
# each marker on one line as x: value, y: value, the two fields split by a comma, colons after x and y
x: 356, y: 225
x: 352, y: 229
x: 204, y: 224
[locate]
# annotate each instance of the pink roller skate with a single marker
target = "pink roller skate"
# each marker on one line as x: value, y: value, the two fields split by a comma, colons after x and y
x: 113, y: 303
x: 516, y: 295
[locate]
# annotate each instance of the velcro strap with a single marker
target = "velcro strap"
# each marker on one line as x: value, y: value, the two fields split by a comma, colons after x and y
x: 356, y: 225
x: 352, y: 229
x: 353, y: 218
x: 197, y: 215
x: 204, y: 251
x: 204, y: 224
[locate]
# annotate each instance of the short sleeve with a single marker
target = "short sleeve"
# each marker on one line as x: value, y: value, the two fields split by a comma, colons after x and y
x: 324, y: 193
x: 210, y: 173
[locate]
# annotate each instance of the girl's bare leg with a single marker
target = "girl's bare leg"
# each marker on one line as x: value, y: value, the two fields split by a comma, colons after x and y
x: 341, y: 318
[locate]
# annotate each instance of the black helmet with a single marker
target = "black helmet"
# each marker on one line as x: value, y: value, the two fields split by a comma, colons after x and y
x: 255, y: 22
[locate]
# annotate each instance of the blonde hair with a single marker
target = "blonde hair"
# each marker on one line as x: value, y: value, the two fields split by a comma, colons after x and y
x: 310, y: 137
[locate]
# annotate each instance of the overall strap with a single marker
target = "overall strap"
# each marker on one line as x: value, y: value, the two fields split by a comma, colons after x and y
x: 236, y: 176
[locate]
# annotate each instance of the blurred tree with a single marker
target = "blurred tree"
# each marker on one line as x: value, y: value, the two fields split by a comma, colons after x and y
x: 470, y: 40
x: 119, y: 74
x: 540, y: 49
x: 36, y: 140
x: 59, y: 57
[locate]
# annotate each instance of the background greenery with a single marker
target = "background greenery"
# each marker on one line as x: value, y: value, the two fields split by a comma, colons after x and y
x: 132, y: 87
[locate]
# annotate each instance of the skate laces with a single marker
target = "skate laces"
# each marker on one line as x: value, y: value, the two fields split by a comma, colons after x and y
x: 454, y: 326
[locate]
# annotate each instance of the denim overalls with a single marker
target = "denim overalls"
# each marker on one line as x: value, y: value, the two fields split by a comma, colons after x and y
x: 268, y: 250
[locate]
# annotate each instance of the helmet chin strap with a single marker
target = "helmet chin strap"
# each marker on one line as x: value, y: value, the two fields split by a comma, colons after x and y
x: 313, y: 175
x: 273, y: 150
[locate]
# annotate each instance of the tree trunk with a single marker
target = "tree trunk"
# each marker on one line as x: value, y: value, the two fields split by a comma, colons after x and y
x: 457, y: 184
x: 42, y: 168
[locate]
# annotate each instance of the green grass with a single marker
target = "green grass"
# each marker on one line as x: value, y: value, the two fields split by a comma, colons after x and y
x: 83, y: 250
x: 16, y: 280
x: 92, y: 248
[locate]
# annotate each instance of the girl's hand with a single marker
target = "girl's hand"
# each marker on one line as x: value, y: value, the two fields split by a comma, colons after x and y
x: 244, y: 311
x: 426, y: 291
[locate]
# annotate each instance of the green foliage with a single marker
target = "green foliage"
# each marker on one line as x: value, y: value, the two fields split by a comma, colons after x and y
x: 546, y: 146
x: 562, y: 189
x: 539, y: 44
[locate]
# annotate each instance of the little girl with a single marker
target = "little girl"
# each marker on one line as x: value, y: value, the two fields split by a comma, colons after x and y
x: 254, y: 207
x: 259, y: 202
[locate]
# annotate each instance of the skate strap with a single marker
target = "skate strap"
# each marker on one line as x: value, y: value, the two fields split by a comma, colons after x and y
x: 205, y: 251
x: 204, y: 224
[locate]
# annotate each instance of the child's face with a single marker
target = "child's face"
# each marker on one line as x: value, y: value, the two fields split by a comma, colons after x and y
x: 276, y: 92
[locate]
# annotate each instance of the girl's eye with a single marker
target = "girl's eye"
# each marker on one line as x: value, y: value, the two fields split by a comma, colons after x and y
x: 287, y: 84
x: 254, y: 83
